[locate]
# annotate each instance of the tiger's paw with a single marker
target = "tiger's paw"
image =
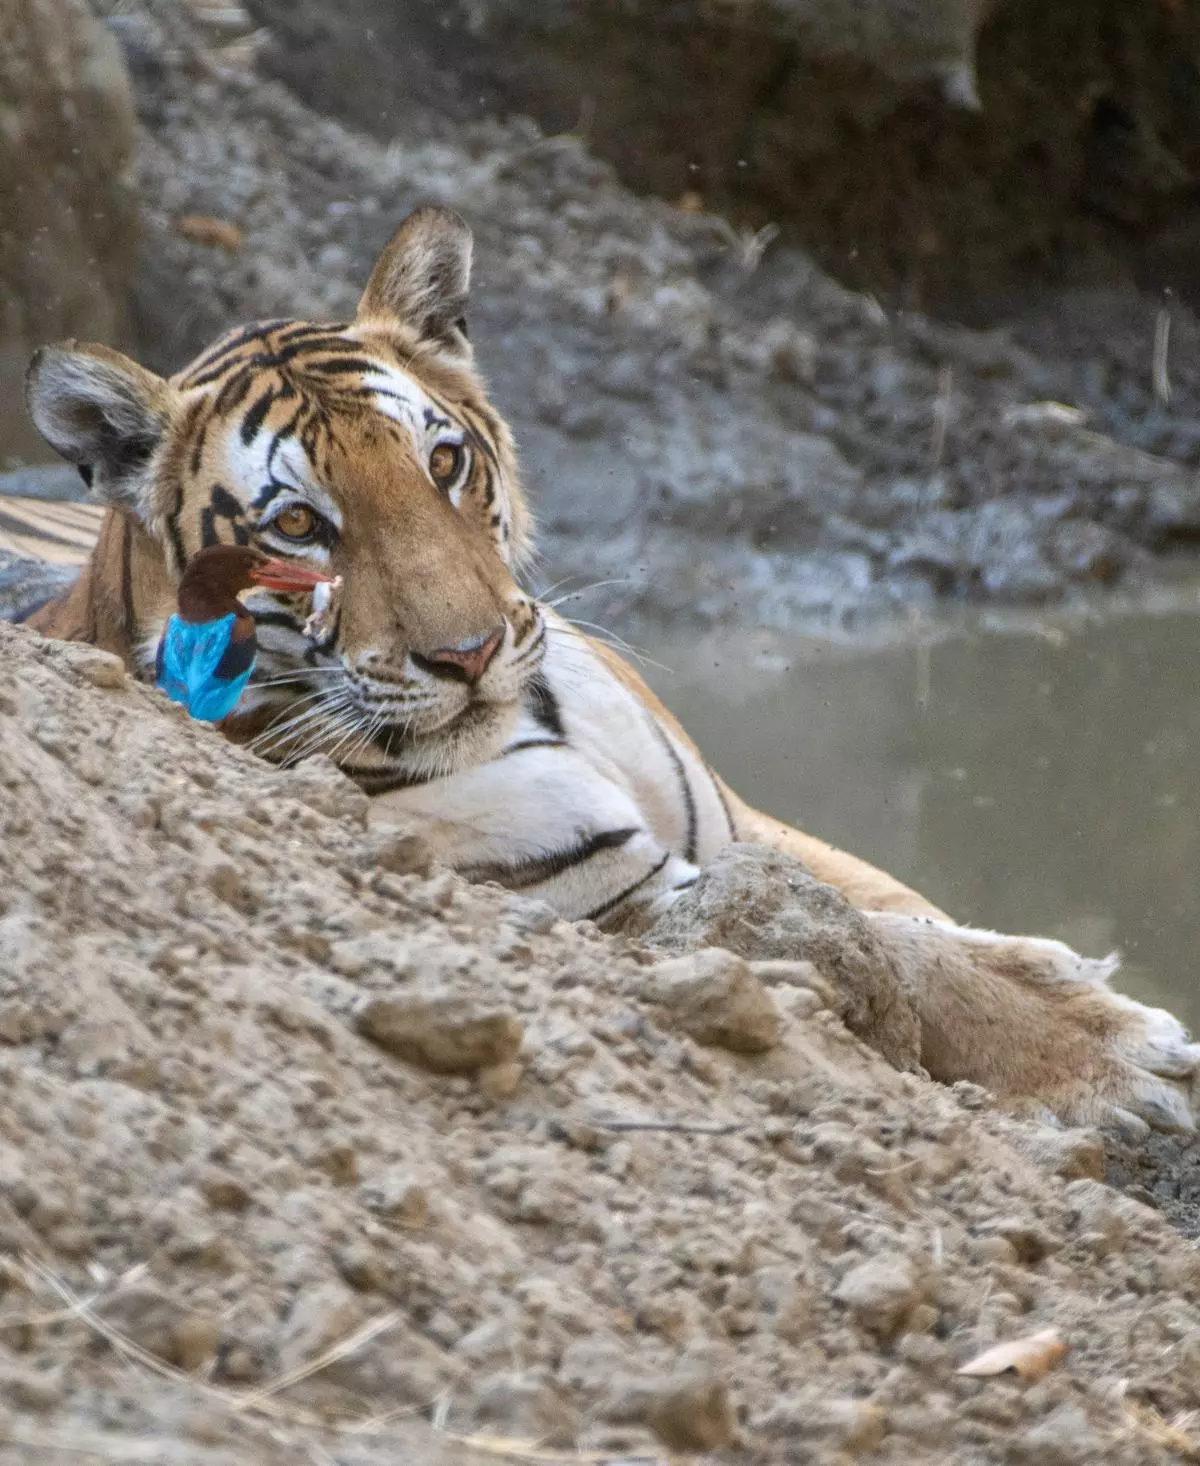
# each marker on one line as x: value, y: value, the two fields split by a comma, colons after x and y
x: 1119, y: 1064
x: 1039, y: 1027
x: 1151, y: 1073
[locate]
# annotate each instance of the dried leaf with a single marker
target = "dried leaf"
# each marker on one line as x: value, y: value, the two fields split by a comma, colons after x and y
x: 215, y: 233
x: 1031, y: 1357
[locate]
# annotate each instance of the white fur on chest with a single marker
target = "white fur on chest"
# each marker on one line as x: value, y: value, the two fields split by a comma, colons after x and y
x: 595, y: 785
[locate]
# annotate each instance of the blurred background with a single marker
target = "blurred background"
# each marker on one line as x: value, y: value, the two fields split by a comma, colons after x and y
x: 851, y: 346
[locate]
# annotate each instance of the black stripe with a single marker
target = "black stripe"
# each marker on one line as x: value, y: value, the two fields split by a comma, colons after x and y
x: 127, y: 577
x: 256, y: 416
x: 382, y: 781
x: 532, y: 649
x: 278, y: 618
x: 716, y: 783
x: 256, y: 331
x: 358, y: 393
x: 198, y: 447
x: 689, y: 799
x: 343, y: 364
x: 325, y: 342
x: 305, y: 330
x: 489, y: 487
x: 284, y: 432
x: 174, y: 532
x: 599, y: 912
x: 222, y: 505
x: 235, y: 391
x: 543, y: 707
x: 481, y: 438
x: 518, y: 877
x: 216, y: 374
x: 266, y: 360
x: 533, y: 743
x: 267, y: 494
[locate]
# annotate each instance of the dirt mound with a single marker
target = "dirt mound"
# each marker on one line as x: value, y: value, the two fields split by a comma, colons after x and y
x: 340, y: 1154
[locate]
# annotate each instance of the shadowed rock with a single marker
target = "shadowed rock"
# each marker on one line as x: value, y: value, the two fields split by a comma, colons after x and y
x: 761, y: 904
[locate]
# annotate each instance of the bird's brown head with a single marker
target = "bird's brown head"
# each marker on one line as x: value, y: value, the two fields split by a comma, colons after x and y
x: 210, y: 584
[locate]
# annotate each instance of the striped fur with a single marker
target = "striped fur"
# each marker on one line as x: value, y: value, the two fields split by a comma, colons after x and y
x: 556, y: 772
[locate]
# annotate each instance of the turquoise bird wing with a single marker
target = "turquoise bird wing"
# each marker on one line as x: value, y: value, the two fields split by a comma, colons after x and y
x: 202, y: 667
x: 171, y: 665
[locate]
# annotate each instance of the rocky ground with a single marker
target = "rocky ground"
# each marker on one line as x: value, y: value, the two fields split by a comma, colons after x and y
x: 708, y: 421
x: 309, y: 1154
x: 312, y: 1153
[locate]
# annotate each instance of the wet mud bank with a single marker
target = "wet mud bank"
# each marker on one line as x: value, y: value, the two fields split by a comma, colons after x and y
x: 708, y: 421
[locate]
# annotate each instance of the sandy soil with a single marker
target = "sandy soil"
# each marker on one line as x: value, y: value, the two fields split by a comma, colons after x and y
x: 309, y: 1153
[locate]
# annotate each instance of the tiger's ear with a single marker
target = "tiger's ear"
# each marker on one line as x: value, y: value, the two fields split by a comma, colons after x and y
x: 423, y: 278
x: 102, y: 412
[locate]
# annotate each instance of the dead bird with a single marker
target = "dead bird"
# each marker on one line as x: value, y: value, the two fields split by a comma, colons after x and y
x: 208, y: 646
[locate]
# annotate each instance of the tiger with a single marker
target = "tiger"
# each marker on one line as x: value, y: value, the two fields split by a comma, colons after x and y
x: 528, y: 753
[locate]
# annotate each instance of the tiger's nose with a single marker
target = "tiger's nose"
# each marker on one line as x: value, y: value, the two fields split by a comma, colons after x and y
x: 466, y: 662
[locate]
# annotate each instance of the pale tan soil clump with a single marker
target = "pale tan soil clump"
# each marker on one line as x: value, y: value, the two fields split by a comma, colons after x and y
x: 271, y: 1086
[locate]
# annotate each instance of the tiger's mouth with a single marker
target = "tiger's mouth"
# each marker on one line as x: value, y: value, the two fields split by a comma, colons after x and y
x: 393, y: 739
x: 380, y: 722
x: 379, y: 742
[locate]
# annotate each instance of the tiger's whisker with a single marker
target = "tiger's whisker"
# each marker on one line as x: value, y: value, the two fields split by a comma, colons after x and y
x: 320, y: 698
x: 610, y: 639
x: 319, y: 738
x: 296, y: 677
x: 290, y: 729
x: 542, y: 595
x: 353, y: 728
x: 583, y: 590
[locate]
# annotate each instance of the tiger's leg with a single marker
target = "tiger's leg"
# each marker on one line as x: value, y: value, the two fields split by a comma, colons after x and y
x: 1025, y: 1017
x: 1037, y: 1024
x: 863, y: 885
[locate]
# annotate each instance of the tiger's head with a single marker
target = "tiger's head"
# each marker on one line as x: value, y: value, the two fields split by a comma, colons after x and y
x: 368, y: 449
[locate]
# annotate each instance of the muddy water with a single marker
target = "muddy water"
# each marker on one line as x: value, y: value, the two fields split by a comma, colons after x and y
x: 1039, y: 778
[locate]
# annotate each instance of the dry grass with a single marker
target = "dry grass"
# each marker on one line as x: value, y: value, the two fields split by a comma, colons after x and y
x: 263, y: 1400
x: 1181, y: 1434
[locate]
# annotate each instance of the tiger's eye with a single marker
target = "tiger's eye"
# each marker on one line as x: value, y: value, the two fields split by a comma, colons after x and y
x: 297, y: 522
x: 445, y: 462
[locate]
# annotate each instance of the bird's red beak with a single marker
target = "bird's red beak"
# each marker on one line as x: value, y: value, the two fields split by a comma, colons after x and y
x: 288, y: 575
